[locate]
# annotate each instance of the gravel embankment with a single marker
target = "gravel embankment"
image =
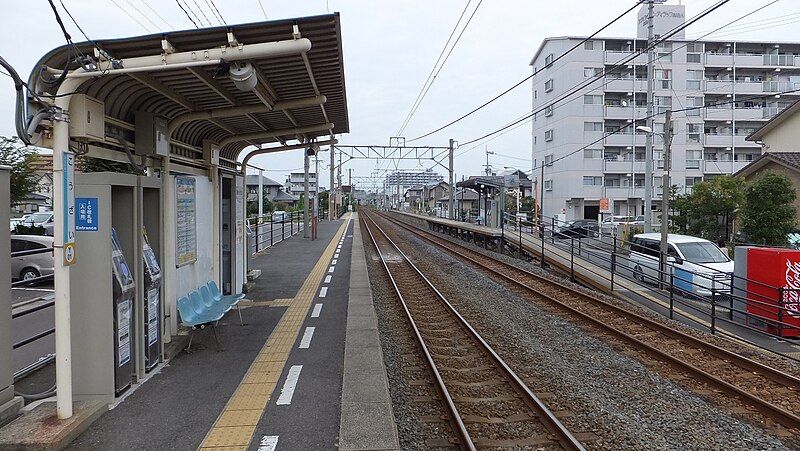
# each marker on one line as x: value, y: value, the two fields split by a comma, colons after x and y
x: 614, y: 396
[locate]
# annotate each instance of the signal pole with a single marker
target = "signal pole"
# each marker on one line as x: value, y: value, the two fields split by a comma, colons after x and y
x: 648, y: 159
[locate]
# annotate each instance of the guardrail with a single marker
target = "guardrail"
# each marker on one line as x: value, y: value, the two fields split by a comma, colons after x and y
x: 271, y: 229
x: 731, y: 300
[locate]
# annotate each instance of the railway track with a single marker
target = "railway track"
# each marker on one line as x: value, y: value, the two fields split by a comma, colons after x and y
x: 488, y: 404
x: 773, y: 393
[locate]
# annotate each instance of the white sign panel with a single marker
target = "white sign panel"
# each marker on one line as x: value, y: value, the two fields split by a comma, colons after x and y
x: 68, y: 207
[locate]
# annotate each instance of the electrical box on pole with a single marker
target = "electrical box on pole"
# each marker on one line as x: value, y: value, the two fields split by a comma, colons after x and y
x: 151, y: 134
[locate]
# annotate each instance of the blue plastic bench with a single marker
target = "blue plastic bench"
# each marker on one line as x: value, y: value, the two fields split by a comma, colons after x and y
x: 196, y: 315
x: 232, y: 300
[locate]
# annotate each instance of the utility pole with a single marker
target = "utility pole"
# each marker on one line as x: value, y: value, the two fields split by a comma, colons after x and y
x: 665, y: 188
x: 332, y: 191
x: 648, y: 159
x: 451, y: 210
x: 338, y: 180
x: 488, y: 166
x: 260, y: 195
x: 306, y: 152
x: 350, y: 182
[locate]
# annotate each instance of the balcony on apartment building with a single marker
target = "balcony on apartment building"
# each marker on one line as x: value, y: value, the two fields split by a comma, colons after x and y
x: 625, y: 137
x: 620, y: 111
x: 725, y: 139
x: 623, y: 163
x: 726, y: 113
x: 617, y: 56
x: 615, y: 83
x: 749, y: 87
x: 750, y: 60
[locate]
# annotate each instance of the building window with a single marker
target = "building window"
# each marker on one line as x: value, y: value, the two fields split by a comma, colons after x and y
x: 591, y: 45
x: 590, y: 99
x: 589, y: 72
x: 548, y: 160
x: 548, y: 60
x: 663, y: 103
x: 593, y: 126
x: 548, y: 185
x: 548, y: 85
x: 693, y: 52
x: 548, y: 135
x: 693, y: 158
x: 693, y: 79
x: 592, y: 180
x: 696, y: 103
x: 548, y: 110
x: 593, y: 154
x: 694, y: 132
x: 664, y: 52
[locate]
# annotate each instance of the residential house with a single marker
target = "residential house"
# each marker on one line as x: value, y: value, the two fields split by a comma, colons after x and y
x: 466, y: 203
x: 270, y: 187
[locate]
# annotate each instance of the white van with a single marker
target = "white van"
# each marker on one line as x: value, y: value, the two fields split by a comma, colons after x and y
x: 697, y: 264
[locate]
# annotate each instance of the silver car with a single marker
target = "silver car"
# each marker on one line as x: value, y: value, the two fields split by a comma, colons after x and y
x: 26, y: 267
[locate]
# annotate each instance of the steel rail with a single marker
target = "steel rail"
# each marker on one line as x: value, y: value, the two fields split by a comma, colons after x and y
x: 782, y: 416
x: 562, y: 435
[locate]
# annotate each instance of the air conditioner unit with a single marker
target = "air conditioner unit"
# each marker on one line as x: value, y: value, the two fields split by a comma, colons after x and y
x: 87, y: 118
x: 152, y: 135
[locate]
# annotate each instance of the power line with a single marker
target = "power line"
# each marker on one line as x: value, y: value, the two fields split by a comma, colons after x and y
x: 129, y: 15
x: 157, y: 14
x: 516, y: 85
x: 433, y: 69
x: 202, y: 12
x: 263, y: 10
x: 215, y: 10
x: 444, y: 61
x: 585, y: 84
x: 187, y: 14
x: 143, y: 15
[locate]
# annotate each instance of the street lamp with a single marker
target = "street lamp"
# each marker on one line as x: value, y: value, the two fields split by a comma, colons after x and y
x: 665, y: 184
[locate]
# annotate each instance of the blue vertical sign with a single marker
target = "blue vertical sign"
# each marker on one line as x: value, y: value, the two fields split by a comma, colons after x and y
x: 68, y: 207
x: 86, y: 217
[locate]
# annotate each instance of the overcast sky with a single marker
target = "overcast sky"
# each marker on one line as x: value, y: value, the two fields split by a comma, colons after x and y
x: 389, y: 49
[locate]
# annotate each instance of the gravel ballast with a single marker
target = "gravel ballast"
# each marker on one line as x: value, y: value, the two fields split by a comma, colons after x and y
x: 621, y: 401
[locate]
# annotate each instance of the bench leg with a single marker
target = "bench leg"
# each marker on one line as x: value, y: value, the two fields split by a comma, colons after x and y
x: 239, y: 310
x: 216, y: 337
x: 191, y: 336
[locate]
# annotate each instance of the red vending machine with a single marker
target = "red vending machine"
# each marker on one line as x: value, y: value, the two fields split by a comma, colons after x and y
x: 771, y: 274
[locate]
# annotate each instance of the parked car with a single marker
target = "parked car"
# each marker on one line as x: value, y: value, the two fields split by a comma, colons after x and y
x: 579, y: 228
x: 698, y: 265
x: 27, y: 267
x: 39, y: 219
x: 14, y: 223
x: 279, y: 216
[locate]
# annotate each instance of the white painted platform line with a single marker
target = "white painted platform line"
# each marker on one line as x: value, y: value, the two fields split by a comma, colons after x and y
x: 305, y: 342
x: 334, y: 261
x: 331, y: 269
x: 336, y: 255
x: 317, y: 310
x: 268, y: 443
x: 323, y: 292
x: 287, y: 391
x: 328, y: 278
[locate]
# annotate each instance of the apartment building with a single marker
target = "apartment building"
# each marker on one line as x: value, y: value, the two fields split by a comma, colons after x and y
x: 735, y: 86
x: 295, y: 183
x: 397, y: 183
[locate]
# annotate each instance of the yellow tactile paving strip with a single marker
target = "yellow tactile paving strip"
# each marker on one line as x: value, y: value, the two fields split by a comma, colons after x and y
x: 237, y: 423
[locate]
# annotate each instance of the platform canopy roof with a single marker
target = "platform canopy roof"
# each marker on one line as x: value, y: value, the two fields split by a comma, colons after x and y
x: 299, y: 95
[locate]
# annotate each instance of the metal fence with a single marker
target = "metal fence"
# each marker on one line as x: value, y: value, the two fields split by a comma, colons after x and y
x: 43, y: 360
x: 708, y: 299
x: 271, y: 229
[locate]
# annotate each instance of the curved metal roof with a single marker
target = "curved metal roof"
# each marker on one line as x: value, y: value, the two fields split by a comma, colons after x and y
x: 293, y: 80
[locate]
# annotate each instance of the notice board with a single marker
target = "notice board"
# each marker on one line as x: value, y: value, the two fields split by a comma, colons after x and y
x: 186, y: 212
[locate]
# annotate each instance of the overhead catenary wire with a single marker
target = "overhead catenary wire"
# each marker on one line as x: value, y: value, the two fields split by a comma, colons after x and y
x: 433, y: 69
x: 187, y: 13
x: 202, y: 12
x: 519, y: 83
x: 264, y: 11
x: 146, y: 17
x: 216, y: 12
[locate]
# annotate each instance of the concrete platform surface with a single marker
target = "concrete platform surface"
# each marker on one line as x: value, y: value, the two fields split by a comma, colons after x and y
x: 40, y: 428
x: 367, y: 420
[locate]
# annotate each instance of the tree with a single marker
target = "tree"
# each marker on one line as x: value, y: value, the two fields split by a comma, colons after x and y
x: 91, y: 164
x: 769, y: 214
x: 713, y: 206
x: 21, y: 159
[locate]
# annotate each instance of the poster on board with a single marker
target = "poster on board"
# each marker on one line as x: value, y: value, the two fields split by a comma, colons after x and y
x: 186, y: 217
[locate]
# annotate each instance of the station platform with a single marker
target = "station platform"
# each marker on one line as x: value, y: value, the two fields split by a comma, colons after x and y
x: 587, y: 271
x: 304, y: 372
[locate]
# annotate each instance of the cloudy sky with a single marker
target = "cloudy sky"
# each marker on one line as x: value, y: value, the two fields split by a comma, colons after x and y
x: 389, y: 49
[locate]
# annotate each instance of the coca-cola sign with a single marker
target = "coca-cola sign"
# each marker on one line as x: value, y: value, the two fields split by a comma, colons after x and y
x: 791, y: 294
